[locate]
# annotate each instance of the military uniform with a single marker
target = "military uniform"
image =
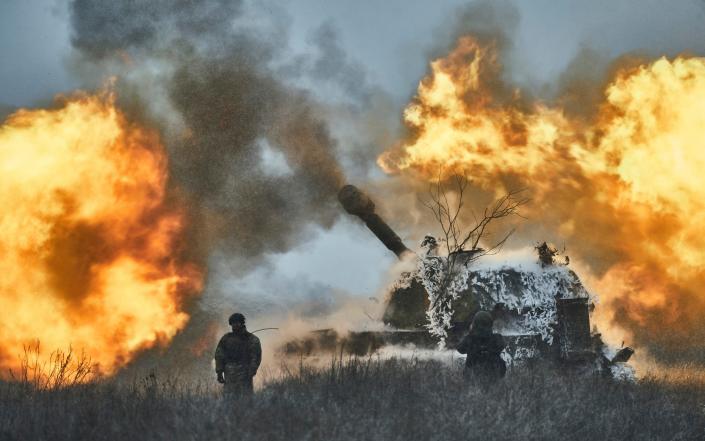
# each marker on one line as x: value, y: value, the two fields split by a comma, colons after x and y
x: 483, y: 349
x: 237, y: 358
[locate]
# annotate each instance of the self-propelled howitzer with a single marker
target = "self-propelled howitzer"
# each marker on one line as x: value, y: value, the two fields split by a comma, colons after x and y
x: 542, y: 310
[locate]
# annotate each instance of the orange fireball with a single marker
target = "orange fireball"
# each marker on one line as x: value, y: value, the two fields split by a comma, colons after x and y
x: 625, y: 188
x: 89, y: 246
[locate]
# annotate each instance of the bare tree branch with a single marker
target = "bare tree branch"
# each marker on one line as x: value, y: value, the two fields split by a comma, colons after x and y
x: 459, y: 238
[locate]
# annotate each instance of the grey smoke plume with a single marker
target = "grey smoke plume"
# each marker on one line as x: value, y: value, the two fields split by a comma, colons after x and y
x: 202, y: 72
x: 332, y: 63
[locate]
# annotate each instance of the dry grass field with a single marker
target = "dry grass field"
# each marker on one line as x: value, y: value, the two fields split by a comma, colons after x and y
x: 359, y: 399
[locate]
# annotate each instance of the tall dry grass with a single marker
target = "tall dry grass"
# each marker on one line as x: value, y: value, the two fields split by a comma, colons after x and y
x: 359, y: 398
x: 61, y: 369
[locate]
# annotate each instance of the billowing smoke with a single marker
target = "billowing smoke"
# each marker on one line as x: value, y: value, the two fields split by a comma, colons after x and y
x: 208, y: 81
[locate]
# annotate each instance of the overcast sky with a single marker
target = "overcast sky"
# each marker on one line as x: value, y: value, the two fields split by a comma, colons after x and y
x: 391, y: 40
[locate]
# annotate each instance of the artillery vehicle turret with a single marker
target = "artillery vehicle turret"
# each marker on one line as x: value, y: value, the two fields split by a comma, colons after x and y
x: 541, y: 308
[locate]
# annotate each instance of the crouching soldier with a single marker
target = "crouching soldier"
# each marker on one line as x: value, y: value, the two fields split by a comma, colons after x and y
x: 483, y: 349
x: 237, y: 358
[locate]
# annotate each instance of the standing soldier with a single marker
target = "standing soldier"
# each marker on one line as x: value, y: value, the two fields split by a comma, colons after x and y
x: 237, y: 358
x: 483, y: 348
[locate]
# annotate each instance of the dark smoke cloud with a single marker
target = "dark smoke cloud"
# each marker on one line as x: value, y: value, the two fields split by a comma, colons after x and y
x: 580, y: 85
x: 217, y: 76
x: 333, y: 64
x: 103, y: 27
x: 230, y: 112
x: 490, y: 22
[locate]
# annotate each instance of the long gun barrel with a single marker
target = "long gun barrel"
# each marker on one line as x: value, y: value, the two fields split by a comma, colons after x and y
x: 359, y: 204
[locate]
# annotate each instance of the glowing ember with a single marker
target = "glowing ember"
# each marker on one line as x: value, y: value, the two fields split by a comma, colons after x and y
x: 89, y: 248
x: 624, y: 187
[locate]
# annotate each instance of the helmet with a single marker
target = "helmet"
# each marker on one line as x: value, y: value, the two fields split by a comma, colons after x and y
x: 236, y: 318
x: 482, y: 321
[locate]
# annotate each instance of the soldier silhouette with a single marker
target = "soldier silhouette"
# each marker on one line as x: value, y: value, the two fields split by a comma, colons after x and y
x: 237, y: 358
x: 483, y: 348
